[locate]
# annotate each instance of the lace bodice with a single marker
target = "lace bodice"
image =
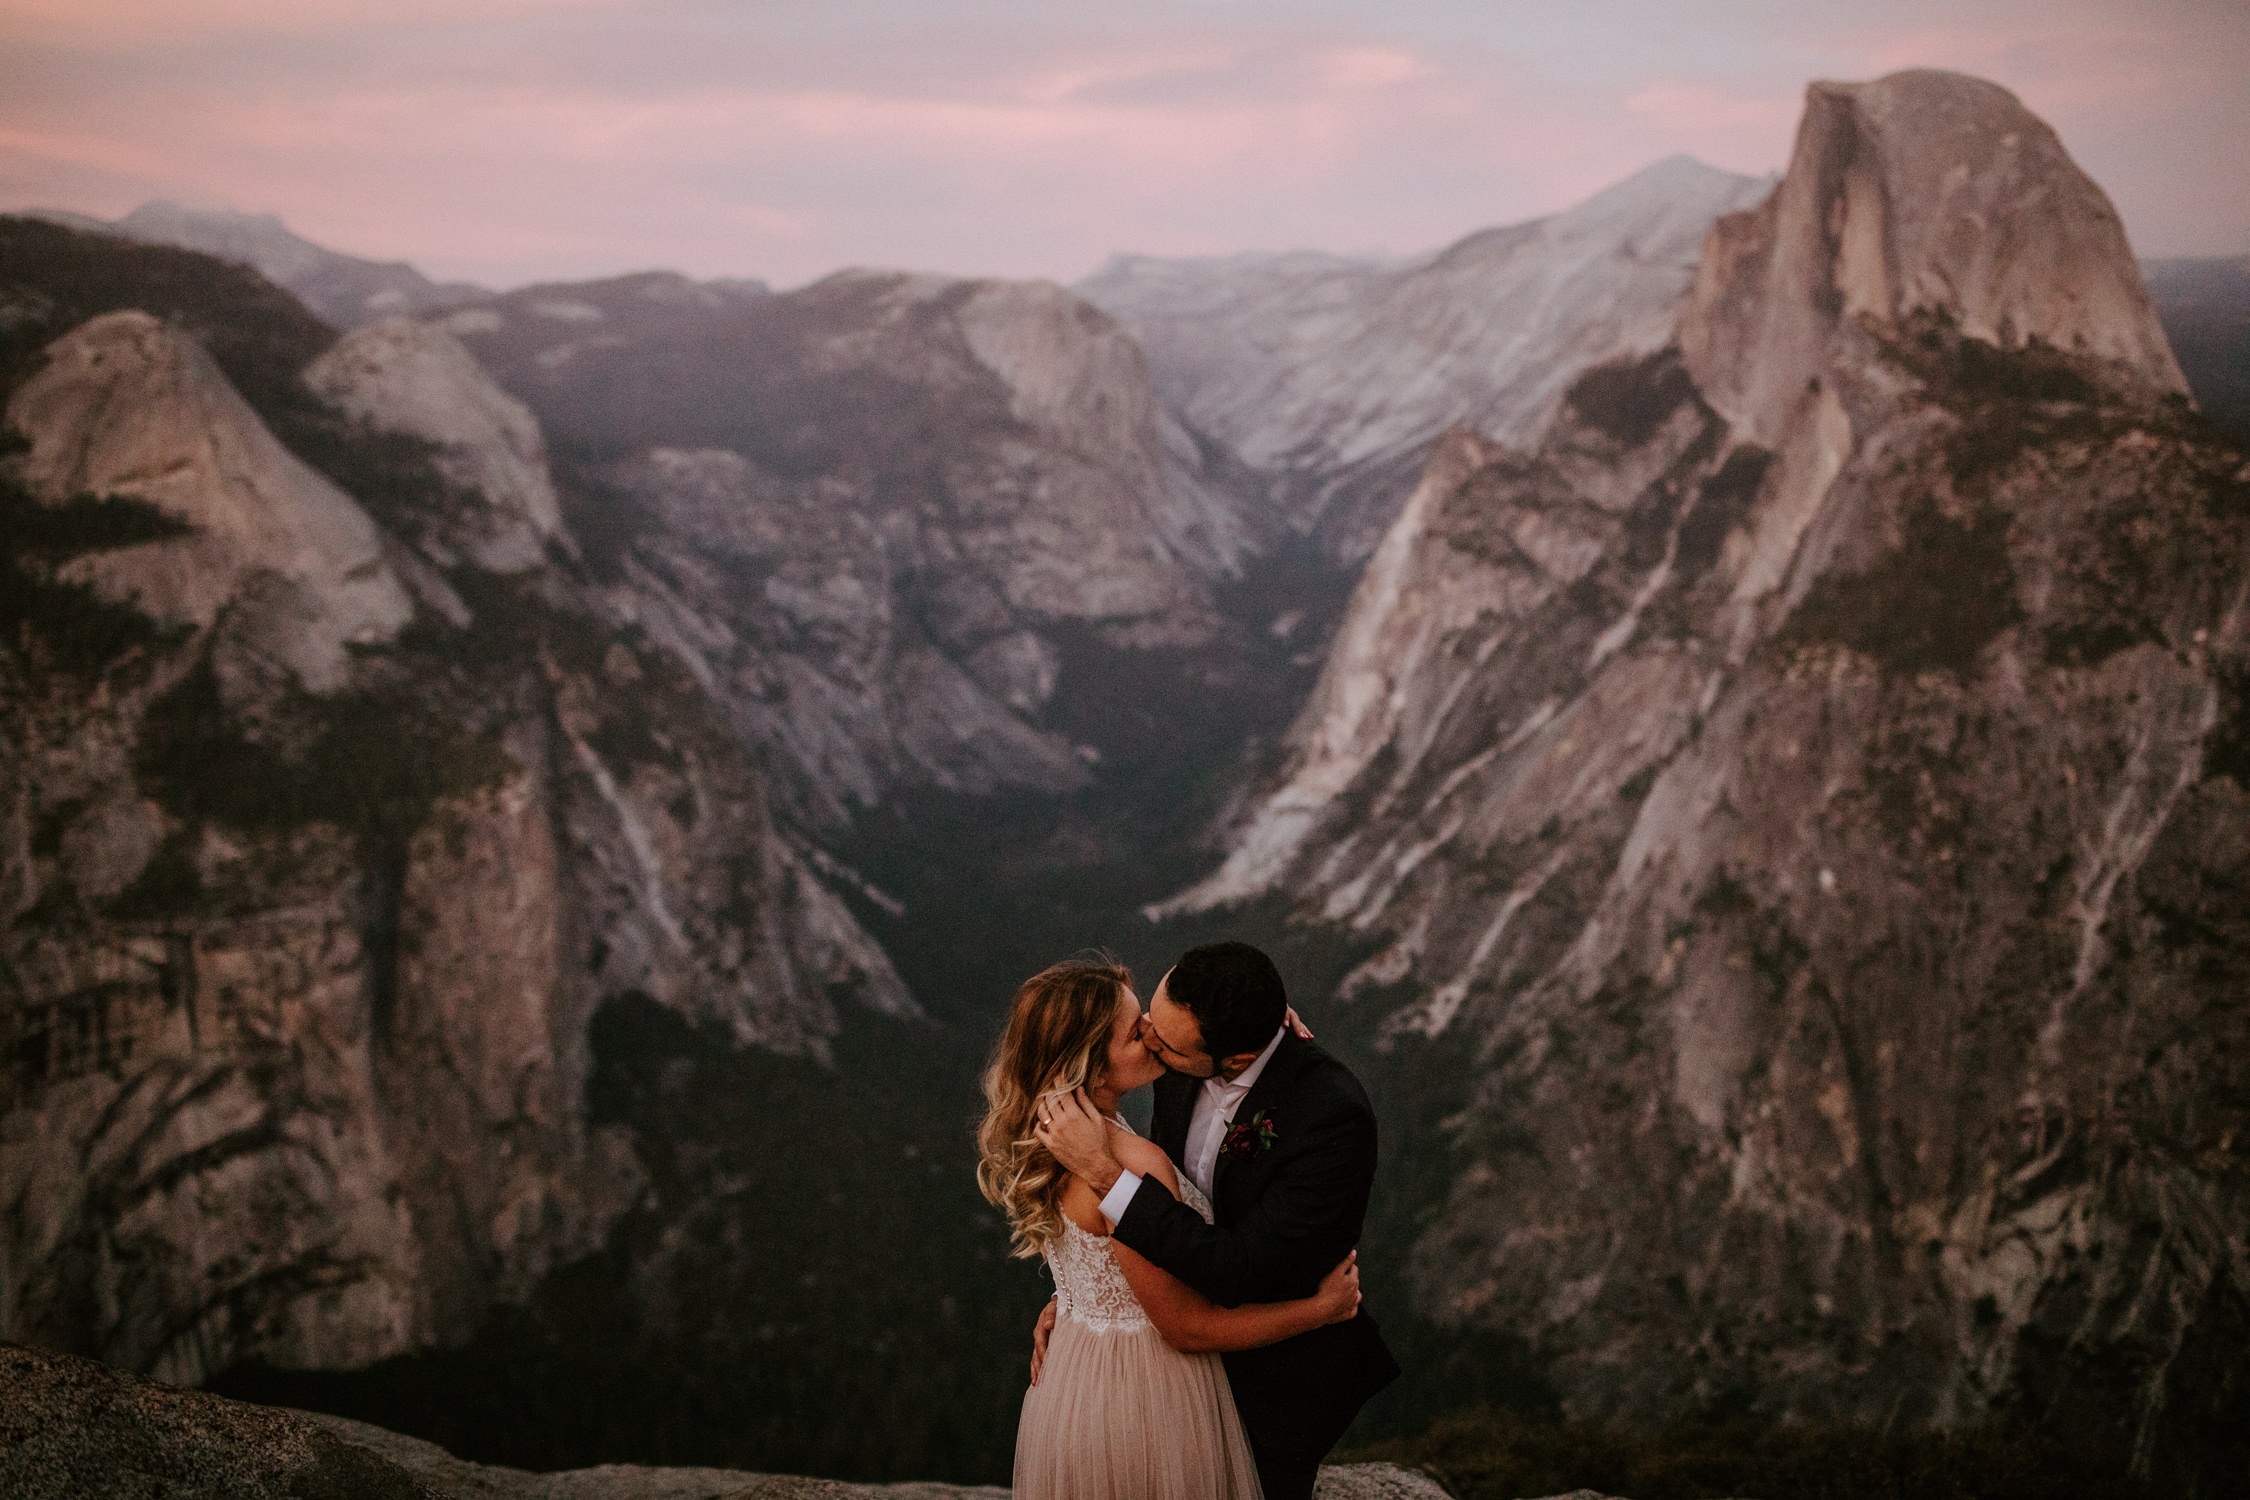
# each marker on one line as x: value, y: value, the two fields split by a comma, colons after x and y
x: 1088, y: 1283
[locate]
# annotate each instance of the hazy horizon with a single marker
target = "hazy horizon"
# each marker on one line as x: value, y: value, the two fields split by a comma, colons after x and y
x: 513, y: 141
x: 1375, y: 255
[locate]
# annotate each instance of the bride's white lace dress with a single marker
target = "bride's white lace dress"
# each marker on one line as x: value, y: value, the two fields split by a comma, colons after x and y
x: 1118, y: 1414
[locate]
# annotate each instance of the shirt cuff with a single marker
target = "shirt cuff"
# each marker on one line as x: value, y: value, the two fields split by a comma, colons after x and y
x: 1120, y: 1197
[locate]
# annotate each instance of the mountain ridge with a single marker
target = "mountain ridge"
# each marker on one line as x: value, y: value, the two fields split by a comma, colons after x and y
x: 343, y: 289
x: 1779, y: 791
x: 1332, y: 377
x: 908, y: 488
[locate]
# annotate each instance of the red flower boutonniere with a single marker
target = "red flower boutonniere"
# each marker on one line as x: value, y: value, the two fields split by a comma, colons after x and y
x: 1251, y: 1136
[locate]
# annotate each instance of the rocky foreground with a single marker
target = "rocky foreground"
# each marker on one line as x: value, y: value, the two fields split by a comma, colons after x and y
x: 71, y: 1428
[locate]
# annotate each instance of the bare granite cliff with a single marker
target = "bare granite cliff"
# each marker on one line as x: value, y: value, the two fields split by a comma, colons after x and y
x: 125, y: 406
x: 875, y: 514
x: 1804, y: 797
x: 414, y: 379
x: 327, y: 832
x: 1924, y: 191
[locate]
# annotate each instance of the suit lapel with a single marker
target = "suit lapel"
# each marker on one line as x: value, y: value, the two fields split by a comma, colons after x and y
x: 1281, y: 1068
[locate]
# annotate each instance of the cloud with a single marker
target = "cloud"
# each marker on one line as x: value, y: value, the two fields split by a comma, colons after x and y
x: 116, y: 24
x: 1699, y: 106
x: 511, y: 139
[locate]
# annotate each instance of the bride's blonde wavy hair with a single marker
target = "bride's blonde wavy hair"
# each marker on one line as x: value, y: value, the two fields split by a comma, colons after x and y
x: 1057, y: 1039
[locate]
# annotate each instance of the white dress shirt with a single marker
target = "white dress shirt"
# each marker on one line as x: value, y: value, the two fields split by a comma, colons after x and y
x: 1215, y: 1105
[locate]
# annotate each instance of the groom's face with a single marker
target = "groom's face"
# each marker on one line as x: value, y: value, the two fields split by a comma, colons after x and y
x: 1173, y: 1037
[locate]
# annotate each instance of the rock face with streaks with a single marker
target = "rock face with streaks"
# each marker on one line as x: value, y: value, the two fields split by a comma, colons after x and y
x: 1331, y: 378
x: 416, y: 381
x: 1808, y: 789
x: 1900, y: 199
x: 876, y: 513
x: 126, y: 406
x: 324, y: 839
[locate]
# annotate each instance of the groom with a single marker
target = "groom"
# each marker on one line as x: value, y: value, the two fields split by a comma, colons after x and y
x: 1280, y: 1137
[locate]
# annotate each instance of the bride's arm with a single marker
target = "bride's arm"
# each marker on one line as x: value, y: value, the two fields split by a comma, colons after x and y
x: 1191, y: 1322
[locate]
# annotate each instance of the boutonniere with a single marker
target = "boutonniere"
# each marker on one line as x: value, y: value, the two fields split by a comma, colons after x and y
x: 1251, y: 1136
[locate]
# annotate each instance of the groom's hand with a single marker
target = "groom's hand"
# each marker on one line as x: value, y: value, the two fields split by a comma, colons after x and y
x: 1078, y: 1136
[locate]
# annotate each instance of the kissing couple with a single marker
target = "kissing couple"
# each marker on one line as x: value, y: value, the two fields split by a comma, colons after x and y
x: 1205, y: 1340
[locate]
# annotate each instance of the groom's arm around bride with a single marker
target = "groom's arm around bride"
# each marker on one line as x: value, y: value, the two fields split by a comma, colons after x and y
x: 1302, y: 1192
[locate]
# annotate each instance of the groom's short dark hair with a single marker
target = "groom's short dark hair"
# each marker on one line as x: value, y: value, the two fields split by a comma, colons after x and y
x: 1235, y: 994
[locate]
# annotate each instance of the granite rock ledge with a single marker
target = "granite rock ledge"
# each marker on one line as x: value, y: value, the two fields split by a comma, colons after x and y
x: 72, y: 1428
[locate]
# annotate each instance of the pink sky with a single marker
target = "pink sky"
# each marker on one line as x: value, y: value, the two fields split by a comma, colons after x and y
x: 508, y: 140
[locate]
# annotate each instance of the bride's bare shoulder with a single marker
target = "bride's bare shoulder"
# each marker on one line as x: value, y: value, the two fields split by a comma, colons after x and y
x: 1138, y: 1154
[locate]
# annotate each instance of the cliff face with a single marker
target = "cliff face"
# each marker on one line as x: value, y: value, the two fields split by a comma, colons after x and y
x: 874, y: 513
x: 125, y: 406
x: 1901, y: 197
x: 1331, y: 378
x: 414, y: 380
x: 325, y: 839
x: 1807, y: 788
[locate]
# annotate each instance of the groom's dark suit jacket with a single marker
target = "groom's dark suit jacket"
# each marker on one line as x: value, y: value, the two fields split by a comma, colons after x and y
x: 1286, y: 1215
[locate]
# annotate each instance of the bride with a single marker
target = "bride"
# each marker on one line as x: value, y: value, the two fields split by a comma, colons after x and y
x: 1132, y: 1402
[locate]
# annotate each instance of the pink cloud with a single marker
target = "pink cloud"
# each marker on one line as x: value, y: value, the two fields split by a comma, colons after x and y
x: 143, y: 23
x: 1369, y: 67
x: 506, y: 139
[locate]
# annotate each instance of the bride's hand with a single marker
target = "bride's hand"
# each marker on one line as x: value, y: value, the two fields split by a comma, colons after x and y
x: 1040, y: 1332
x: 1339, y: 1291
x: 1297, y: 1024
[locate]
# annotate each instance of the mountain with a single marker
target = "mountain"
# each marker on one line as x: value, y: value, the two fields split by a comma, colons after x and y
x: 1790, y: 816
x: 883, y: 513
x: 344, y: 289
x: 1332, y: 377
x: 324, y: 850
x: 2205, y: 308
x: 437, y: 978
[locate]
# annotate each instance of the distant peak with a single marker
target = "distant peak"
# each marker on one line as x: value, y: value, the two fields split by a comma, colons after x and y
x: 165, y: 211
x: 1675, y: 179
x: 1680, y: 164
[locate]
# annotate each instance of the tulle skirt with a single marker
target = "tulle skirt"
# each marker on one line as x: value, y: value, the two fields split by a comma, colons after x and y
x: 1125, y: 1416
